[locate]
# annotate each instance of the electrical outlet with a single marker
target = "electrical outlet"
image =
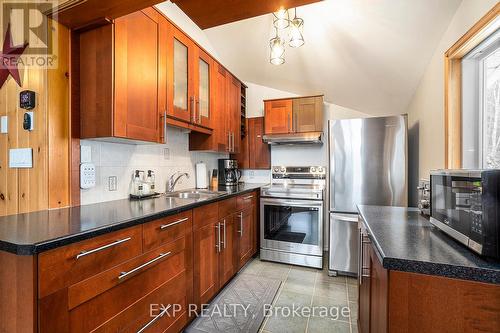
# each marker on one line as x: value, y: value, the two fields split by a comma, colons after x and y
x: 166, y: 153
x: 112, y: 183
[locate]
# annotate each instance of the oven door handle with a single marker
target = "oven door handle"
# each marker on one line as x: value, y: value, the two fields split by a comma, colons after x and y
x: 292, y: 202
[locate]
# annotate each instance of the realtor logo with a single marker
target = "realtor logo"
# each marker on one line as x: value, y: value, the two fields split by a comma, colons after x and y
x: 25, y: 24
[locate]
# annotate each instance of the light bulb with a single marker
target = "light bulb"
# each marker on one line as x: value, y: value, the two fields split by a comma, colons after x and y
x: 281, y: 19
x: 296, y: 29
x: 277, y: 51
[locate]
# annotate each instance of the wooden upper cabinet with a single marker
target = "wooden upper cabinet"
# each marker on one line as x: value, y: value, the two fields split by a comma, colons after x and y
x: 233, y: 114
x: 124, y: 102
x: 180, y: 85
x: 278, y: 116
x: 254, y: 152
x: 294, y: 115
x: 260, y: 152
x: 202, y: 88
x: 307, y: 114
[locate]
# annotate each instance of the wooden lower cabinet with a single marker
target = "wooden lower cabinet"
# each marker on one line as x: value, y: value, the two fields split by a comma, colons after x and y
x: 206, y: 262
x: 222, y: 245
x: 143, y: 276
x: 396, y: 301
x: 245, y: 230
x: 227, y: 259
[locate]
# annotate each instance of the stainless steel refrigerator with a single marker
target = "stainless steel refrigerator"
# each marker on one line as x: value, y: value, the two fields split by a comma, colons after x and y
x: 368, y: 165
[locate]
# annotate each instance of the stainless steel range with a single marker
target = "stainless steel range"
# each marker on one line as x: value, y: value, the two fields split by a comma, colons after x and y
x: 291, y: 216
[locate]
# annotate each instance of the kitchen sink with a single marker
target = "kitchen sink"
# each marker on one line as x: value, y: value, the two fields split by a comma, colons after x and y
x: 195, y: 194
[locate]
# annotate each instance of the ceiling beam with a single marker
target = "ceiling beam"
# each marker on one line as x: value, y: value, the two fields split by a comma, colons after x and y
x: 210, y: 13
x: 78, y: 14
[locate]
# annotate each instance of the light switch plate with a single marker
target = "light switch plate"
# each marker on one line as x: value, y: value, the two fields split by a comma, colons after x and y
x: 87, y: 175
x: 21, y: 158
x: 4, y: 124
x: 85, y: 154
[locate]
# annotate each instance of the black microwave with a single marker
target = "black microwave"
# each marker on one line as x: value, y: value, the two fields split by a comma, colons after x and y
x: 465, y: 205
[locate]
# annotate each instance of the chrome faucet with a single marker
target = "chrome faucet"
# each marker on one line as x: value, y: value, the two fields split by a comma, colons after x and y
x: 172, y: 181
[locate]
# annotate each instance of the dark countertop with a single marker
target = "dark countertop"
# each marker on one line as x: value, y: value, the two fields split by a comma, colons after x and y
x: 31, y: 233
x: 406, y: 241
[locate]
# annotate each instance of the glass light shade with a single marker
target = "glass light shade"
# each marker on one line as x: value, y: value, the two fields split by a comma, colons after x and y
x: 277, y: 51
x: 296, y: 29
x: 281, y: 19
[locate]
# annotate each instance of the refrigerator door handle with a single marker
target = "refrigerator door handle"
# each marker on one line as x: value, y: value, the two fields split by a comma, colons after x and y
x: 345, y: 217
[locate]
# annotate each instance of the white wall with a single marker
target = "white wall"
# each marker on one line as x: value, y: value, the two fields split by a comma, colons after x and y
x: 426, y: 109
x: 176, y: 15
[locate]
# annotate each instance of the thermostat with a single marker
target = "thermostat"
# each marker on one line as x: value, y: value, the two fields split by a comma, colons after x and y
x: 27, y: 99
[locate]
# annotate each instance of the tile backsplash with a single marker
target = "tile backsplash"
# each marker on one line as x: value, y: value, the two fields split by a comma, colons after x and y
x: 120, y: 160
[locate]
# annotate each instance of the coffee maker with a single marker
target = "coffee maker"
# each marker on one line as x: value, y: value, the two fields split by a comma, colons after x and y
x: 229, y: 175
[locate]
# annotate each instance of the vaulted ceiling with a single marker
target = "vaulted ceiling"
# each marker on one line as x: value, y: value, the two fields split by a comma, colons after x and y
x: 368, y: 55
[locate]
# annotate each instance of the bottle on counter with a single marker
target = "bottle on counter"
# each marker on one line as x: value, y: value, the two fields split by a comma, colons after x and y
x: 150, y: 181
x: 138, y: 184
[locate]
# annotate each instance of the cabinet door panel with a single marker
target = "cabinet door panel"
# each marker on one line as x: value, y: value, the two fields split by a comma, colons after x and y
x: 136, y: 77
x: 227, y: 254
x: 220, y: 113
x: 206, y: 263
x: 244, y: 226
x: 203, y: 92
x: 378, y: 294
x: 180, y: 98
x: 308, y: 114
x: 260, y: 153
x: 278, y: 116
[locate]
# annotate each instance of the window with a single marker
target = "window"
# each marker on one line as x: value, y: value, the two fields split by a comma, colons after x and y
x: 481, y: 105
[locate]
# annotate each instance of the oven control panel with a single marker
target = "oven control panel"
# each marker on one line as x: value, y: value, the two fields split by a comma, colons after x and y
x: 299, y: 172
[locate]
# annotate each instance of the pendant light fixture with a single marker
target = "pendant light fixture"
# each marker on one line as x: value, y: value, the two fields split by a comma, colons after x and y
x: 281, y: 19
x: 292, y: 29
x: 277, y: 46
x: 296, y: 30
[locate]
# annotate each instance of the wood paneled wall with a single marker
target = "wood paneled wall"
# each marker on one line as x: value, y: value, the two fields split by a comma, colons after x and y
x: 45, y: 185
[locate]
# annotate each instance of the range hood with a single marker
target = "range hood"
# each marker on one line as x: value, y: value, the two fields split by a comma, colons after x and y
x: 294, y: 138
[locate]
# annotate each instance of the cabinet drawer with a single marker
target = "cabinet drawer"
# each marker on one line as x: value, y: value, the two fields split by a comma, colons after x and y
x: 244, y: 201
x: 227, y: 207
x: 166, y: 230
x: 205, y: 214
x: 98, y: 306
x: 70, y: 264
x: 166, y: 256
x: 163, y: 310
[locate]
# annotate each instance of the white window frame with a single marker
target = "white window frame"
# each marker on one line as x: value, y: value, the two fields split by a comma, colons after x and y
x: 473, y: 101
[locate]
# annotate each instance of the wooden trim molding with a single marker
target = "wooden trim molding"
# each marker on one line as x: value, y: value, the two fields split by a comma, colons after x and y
x: 453, y: 83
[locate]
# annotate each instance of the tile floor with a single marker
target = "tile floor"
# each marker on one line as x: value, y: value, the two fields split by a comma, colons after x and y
x: 311, y: 288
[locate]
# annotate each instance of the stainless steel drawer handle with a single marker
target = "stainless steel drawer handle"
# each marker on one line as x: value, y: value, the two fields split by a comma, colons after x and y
x: 224, y: 225
x: 248, y: 197
x: 104, y: 247
x: 165, y: 226
x: 158, y: 316
x: 217, y: 245
x: 241, y: 224
x: 138, y: 268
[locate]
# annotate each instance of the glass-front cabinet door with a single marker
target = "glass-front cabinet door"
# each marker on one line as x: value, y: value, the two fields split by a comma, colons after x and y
x: 180, y: 97
x: 203, y: 91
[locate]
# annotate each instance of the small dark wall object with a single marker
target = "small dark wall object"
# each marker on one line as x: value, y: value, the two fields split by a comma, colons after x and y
x: 28, y: 121
x: 27, y: 100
